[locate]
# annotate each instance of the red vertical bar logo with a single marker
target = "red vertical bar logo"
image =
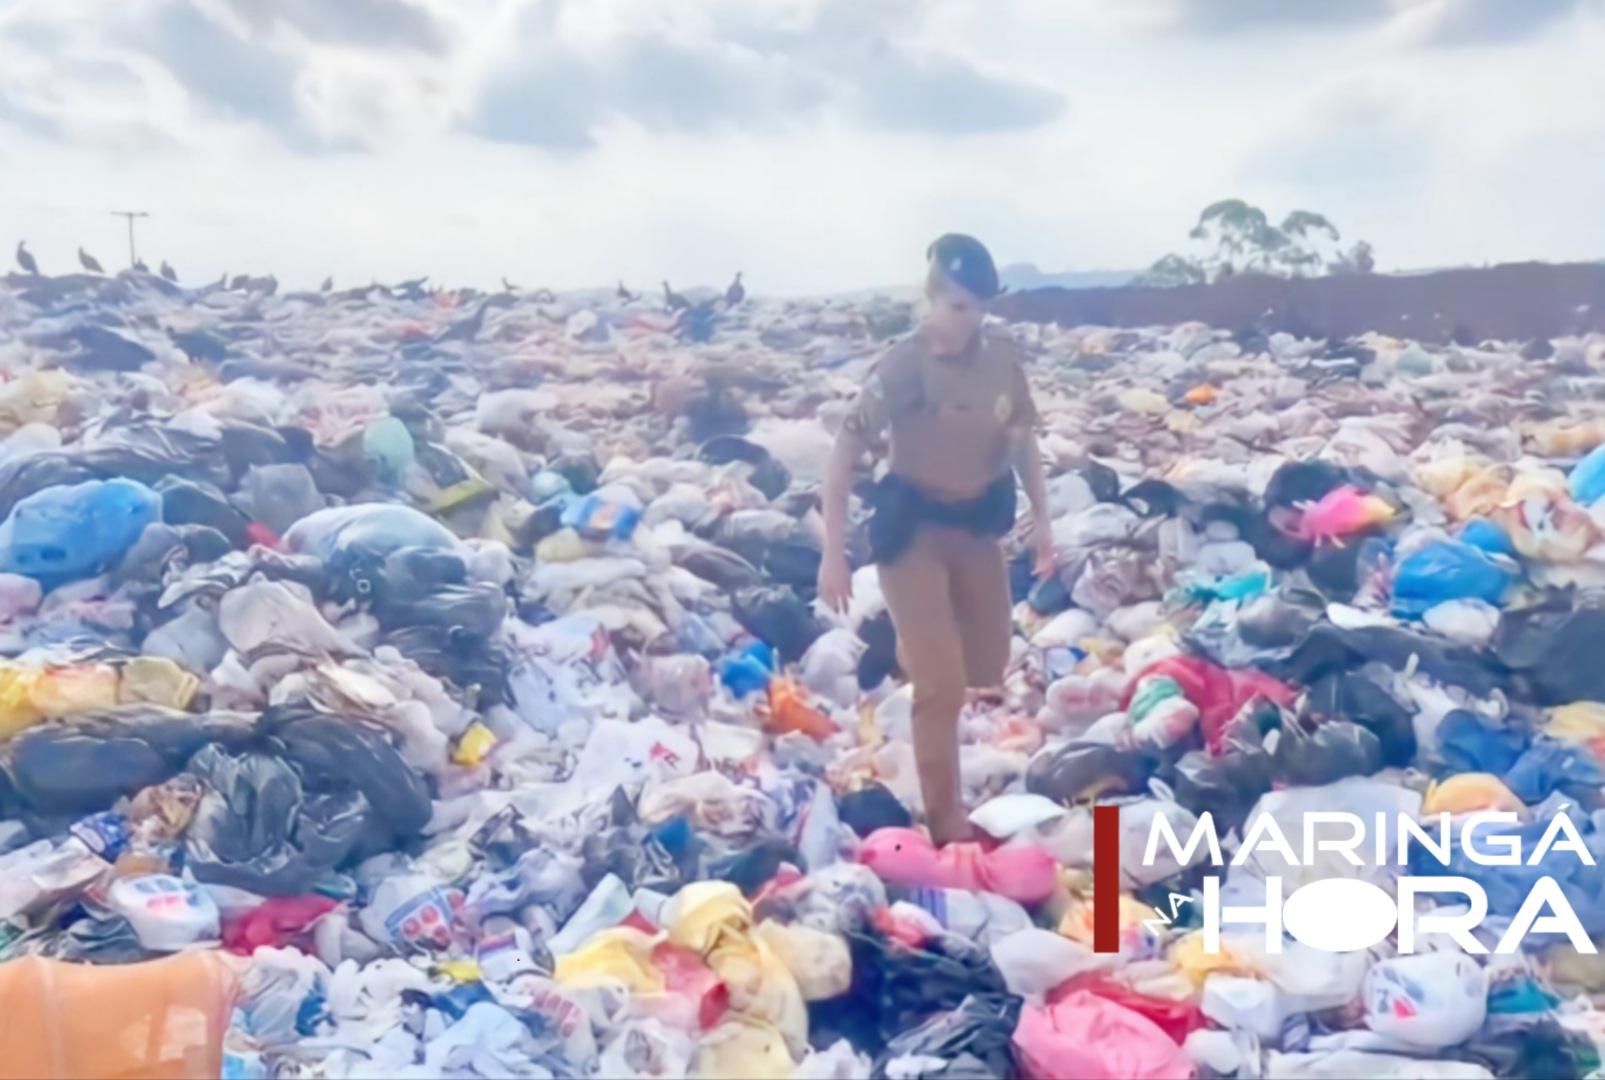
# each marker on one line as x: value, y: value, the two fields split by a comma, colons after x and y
x: 1106, y: 879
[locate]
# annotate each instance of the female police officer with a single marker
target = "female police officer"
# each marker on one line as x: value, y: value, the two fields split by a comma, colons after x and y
x: 954, y: 401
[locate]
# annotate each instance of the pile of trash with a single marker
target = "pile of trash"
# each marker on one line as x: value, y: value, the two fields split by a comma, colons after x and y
x: 407, y: 682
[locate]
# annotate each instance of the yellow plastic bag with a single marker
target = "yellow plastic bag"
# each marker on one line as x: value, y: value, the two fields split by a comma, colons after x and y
x: 73, y: 691
x: 712, y: 918
x: 157, y: 680
x: 1190, y: 959
x: 17, y: 710
x: 742, y: 1049
x: 163, y: 1018
x: 1467, y: 793
x: 820, y: 962
x: 34, y: 398
x: 1582, y: 723
x: 618, y: 957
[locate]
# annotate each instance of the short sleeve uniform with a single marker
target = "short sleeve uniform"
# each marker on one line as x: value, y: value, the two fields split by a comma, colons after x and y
x: 951, y: 421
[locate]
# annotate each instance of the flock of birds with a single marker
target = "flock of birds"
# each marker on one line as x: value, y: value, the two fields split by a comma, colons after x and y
x: 672, y: 301
x: 91, y: 265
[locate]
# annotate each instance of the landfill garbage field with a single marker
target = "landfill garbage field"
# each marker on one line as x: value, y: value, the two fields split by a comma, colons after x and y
x: 412, y: 682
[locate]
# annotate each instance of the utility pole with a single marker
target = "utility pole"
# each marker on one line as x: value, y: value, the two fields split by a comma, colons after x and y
x: 133, y: 258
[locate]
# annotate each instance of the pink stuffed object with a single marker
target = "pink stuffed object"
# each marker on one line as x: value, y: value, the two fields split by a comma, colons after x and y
x: 1025, y: 874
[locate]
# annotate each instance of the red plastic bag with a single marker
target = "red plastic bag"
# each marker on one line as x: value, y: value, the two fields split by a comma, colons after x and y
x: 277, y: 922
x: 1219, y: 693
x: 685, y: 974
x: 1178, y: 1019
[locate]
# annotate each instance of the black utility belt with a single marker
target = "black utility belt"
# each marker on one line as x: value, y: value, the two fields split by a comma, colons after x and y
x: 899, y: 508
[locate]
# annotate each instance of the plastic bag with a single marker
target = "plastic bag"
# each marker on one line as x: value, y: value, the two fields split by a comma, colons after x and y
x: 974, y: 1040
x: 163, y: 1018
x: 896, y: 987
x: 1587, y: 480
x: 1430, y: 1000
x: 1334, y: 750
x: 1448, y: 570
x: 1342, y: 512
x: 1084, y: 1035
x: 1082, y: 770
x: 1219, y: 693
x: 167, y: 914
x: 63, y: 534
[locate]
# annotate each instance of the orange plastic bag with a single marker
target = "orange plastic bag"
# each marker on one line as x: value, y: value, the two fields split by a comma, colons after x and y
x: 163, y: 1018
x: 790, y: 711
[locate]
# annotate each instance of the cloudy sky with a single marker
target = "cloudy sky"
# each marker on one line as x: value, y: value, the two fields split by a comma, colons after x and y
x: 816, y: 144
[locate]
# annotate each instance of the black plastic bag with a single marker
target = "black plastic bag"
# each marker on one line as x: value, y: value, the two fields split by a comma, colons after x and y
x: 974, y: 1042
x: 1334, y: 750
x: 1226, y: 786
x: 256, y: 828
x: 873, y: 807
x: 1556, y: 648
x: 188, y: 502
x: 1082, y: 770
x: 84, y: 765
x: 780, y: 617
x: 1354, y: 697
x: 463, y: 659
x: 896, y: 987
x: 336, y: 753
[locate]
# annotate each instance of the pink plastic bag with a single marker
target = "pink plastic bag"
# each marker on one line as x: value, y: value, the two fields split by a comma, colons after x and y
x: 1025, y: 874
x: 1341, y: 512
x: 1086, y: 1036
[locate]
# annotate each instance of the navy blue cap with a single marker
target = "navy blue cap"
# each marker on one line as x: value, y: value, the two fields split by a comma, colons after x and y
x: 965, y: 262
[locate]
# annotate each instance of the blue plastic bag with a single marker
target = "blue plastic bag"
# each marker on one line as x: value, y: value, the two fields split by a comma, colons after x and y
x: 64, y: 534
x: 598, y: 518
x: 1448, y: 570
x: 1587, y: 482
x: 1484, y: 534
x: 749, y: 671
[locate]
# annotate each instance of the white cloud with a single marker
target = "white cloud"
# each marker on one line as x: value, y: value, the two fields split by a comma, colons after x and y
x: 813, y: 143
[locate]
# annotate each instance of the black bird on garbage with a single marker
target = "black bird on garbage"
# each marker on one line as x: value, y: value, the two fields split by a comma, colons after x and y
x: 736, y: 293
x: 139, y: 264
x: 410, y: 290
x: 465, y: 329
x: 674, y: 300
x: 199, y: 345
x: 169, y: 273
x: 508, y: 286
x: 25, y: 259
x: 89, y: 262
x: 626, y: 295
x: 328, y: 285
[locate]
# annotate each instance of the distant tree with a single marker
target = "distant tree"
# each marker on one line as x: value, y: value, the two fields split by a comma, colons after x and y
x: 1173, y: 270
x: 1234, y: 237
x: 1357, y: 260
